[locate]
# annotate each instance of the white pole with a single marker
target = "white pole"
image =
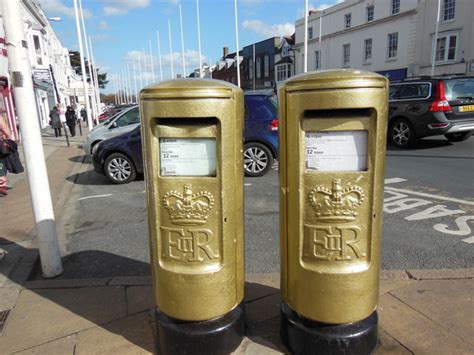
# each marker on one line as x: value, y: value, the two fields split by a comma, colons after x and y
x: 152, y: 66
x: 144, y: 67
x: 182, y: 41
x: 91, y: 83
x: 171, y: 49
x: 433, y: 55
x: 129, y: 82
x: 320, y: 26
x: 253, y: 69
x: 96, y: 76
x: 125, y: 86
x: 140, y: 72
x: 115, y: 89
x: 199, y: 38
x: 305, y: 61
x: 237, y: 42
x: 159, y: 54
x: 83, y: 68
x: 135, y: 80
x: 117, y: 77
x: 32, y: 145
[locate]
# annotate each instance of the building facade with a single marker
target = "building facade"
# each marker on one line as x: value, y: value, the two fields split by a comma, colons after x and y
x: 393, y: 37
x: 259, y: 64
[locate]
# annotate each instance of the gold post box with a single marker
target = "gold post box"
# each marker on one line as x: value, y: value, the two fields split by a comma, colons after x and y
x: 192, y: 145
x: 332, y: 151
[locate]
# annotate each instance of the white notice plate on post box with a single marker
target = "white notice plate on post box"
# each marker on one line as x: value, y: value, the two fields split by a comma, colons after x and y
x: 188, y: 156
x: 336, y: 151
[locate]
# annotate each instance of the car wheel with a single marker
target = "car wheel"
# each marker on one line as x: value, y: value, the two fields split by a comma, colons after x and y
x: 458, y: 137
x: 401, y: 133
x: 119, y: 168
x: 258, y: 159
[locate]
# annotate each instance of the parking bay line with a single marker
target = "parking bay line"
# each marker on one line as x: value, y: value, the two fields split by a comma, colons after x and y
x: 437, y: 197
x: 94, y: 196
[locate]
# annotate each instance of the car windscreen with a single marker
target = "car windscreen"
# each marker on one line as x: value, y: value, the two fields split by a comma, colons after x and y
x: 261, y: 107
x: 459, y: 88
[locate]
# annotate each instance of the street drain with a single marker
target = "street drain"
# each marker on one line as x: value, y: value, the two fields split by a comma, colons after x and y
x: 3, y: 319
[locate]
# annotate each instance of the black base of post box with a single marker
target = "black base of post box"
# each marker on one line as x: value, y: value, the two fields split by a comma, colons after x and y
x: 215, y: 337
x: 304, y: 336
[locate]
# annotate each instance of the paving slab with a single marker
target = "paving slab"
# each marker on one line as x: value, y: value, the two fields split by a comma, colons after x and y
x: 263, y: 309
x: 63, y: 346
x: 47, y: 315
x: 139, y: 299
x: 416, y: 332
x: 388, y: 345
x: 268, y: 279
x: 131, y: 335
x: 256, y: 346
x: 66, y: 283
x: 434, y: 299
x: 8, y: 297
x: 131, y: 281
x: 255, y: 291
x: 394, y: 275
x: 438, y: 274
x: 393, y: 284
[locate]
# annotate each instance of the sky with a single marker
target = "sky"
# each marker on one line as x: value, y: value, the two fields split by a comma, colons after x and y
x: 121, y: 30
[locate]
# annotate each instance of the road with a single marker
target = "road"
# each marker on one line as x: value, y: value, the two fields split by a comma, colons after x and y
x: 428, y: 216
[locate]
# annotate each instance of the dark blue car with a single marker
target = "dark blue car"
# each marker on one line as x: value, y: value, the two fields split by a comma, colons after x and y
x: 120, y: 158
x: 260, y: 133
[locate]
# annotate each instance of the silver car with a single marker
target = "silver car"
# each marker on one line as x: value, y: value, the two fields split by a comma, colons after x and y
x: 123, y: 122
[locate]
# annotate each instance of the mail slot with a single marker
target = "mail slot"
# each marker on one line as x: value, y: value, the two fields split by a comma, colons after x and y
x: 332, y: 151
x: 192, y: 144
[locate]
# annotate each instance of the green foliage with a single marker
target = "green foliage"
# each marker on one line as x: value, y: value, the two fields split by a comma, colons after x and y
x: 76, y: 64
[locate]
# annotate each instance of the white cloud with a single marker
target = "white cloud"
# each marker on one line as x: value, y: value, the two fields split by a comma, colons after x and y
x: 103, y: 25
x: 122, y: 7
x: 56, y: 7
x: 266, y: 30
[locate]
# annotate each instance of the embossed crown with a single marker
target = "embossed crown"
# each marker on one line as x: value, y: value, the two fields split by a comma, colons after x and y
x: 187, y: 208
x: 336, y: 204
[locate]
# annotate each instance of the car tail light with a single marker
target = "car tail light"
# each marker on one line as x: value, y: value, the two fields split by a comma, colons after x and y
x: 441, y: 104
x: 438, y: 125
x: 274, y: 125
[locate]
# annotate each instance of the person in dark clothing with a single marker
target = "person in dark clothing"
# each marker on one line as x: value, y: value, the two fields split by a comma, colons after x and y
x: 84, y: 115
x: 55, y: 121
x: 71, y: 120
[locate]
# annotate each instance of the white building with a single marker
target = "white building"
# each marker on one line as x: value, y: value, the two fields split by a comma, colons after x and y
x: 392, y: 37
x: 50, y: 65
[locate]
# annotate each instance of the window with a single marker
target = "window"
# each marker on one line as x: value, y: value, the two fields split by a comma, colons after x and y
x: 347, y: 20
x: 283, y: 71
x: 414, y: 91
x: 393, y: 92
x: 251, y: 69
x: 37, y: 47
x: 446, y: 48
x: 367, y: 50
x: 346, y: 55
x: 285, y: 51
x: 310, y: 32
x: 395, y: 7
x: 259, y: 68
x: 128, y: 118
x: 266, y: 65
x: 392, y: 45
x: 370, y: 13
x: 448, y: 9
x: 317, y: 60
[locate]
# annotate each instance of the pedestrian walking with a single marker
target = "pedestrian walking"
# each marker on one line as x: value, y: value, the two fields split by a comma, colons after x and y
x: 71, y: 120
x: 5, y: 135
x: 84, y: 115
x: 55, y: 121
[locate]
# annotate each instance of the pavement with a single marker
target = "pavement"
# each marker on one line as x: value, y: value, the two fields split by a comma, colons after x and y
x: 420, y: 311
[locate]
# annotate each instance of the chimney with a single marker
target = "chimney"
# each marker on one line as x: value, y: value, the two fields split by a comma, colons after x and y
x: 226, y: 51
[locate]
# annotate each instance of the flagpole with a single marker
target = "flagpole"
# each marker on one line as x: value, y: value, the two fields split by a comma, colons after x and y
x: 199, y: 38
x: 140, y: 72
x: 305, y: 61
x: 135, y: 80
x: 159, y: 54
x: 171, y: 49
x: 433, y: 55
x: 96, y: 75
x: 144, y: 67
x: 151, y: 62
x: 237, y: 42
x: 182, y: 40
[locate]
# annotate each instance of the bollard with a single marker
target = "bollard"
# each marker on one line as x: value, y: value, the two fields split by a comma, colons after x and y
x: 332, y: 151
x: 192, y: 144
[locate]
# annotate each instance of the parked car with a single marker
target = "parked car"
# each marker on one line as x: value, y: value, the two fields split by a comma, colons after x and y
x: 430, y: 106
x: 120, y: 158
x: 260, y: 132
x: 123, y: 122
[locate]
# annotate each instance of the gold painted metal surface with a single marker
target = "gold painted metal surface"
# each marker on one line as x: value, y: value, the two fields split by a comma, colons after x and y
x: 195, y: 222
x: 331, y: 221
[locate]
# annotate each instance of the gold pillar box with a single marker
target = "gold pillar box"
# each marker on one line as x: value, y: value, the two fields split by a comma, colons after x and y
x: 192, y: 144
x: 332, y: 151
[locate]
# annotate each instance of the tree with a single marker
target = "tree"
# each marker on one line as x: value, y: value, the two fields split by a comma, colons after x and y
x: 76, y: 64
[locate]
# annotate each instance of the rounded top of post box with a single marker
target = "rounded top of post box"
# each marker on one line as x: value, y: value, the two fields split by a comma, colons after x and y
x: 335, y: 79
x: 190, y: 87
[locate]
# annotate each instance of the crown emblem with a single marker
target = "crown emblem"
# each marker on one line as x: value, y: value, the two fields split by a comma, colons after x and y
x: 187, y: 208
x: 336, y: 204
